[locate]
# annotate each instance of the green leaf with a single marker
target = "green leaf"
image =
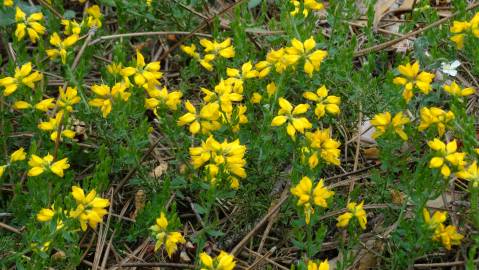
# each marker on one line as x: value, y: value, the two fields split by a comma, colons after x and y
x: 6, y: 18
x: 69, y: 14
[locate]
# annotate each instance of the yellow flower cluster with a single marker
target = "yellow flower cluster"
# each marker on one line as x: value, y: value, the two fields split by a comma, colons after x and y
x: 220, y: 160
x: 306, y: 6
x: 23, y: 76
x: 211, y: 49
x: 324, y: 265
x: 412, y: 77
x: 434, y: 116
x: 446, y: 156
x: 29, y: 25
x: 321, y: 145
x: 455, y: 90
x: 17, y: 155
x: 106, y: 96
x: 309, y: 197
x: 353, y: 210
x: 292, y: 115
x: 90, y: 208
x: 447, y: 235
x: 40, y: 165
x: 61, y: 46
x: 471, y: 173
x: 460, y: 29
x: 384, y: 121
x: 164, y: 236
x: 223, y: 261
x: 324, y: 102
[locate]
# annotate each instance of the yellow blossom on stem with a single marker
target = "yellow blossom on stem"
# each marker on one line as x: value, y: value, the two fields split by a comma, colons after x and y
x: 71, y: 27
x: 455, y: 90
x: 2, y: 169
x: 90, y: 208
x: 324, y: 102
x: 223, y: 49
x: 437, y: 218
x: 459, y: 29
x: 246, y: 72
x: 411, y: 77
x: 107, y: 95
x: 435, y: 116
x: 324, y: 265
x: 29, y: 25
x: 23, y: 76
x: 61, y: 46
x: 308, y: 5
x: 144, y: 75
x: 223, y: 261
x: 382, y: 122
x: 52, y: 126
x: 280, y: 59
x: 190, y: 51
x: 448, y: 236
x: 322, y: 146
x: 40, y: 165
x: 68, y: 98
x: 471, y: 173
x: 45, y: 105
x: 45, y: 215
x: 206, y: 120
x: 161, y: 97
x: 18, y: 155
x: 446, y: 155
x: 94, y: 17
x: 21, y: 105
x: 309, y: 197
x: 164, y: 236
x: 292, y: 115
x: 353, y: 210
x: 7, y: 3
x: 224, y: 95
x: 256, y: 98
x: 271, y: 89
x: 312, y: 58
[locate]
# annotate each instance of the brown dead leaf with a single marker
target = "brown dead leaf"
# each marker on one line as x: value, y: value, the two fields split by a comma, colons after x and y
x: 397, y: 197
x: 140, y: 200
x: 439, y: 202
x: 371, y: 153
x: 380, y: 9
x: 159, y: 170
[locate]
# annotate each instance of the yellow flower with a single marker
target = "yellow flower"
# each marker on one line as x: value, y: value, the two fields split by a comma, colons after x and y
x: 61, y: 46
x: 280, y: 59
x: 435, y: 116
x: 161, y: 97
x: 223, y: 49
x: 353, y: 210
x: 292, y: 115
x: 68, y: 98
x: 206, y: 61
x: 107, y: 96
x: 263, y: 68
x: 448, y: 236
x: 52, y: 125
x: 271, y: 89
x: 45, y: 215
x: 455, y: 90
x: 308, y: 5
x: 18, y: 155
x: 308, y: 197
x: 224, y: 157
x: 437, y: 218
x: 206, y: 120
x: 45, y: 105
x: 94, y: 18
x: 256, y: 98
x: 21, y: 105
x: 190, y: 51
x: 223, y: 261
x: 40, y: 165
x: 324, y: 147
x: 458, y: 30
x: 90, y: 208
x: 170, y: 239
x: 247, y: 72
x: 145, y: 75
x: 446, y: 153
x: 71, y: 27
x: 224, y: 95
x: 382, y: 122
x: 305, y: 49
x: 29, y: 25
x: 470, y: 174
x: 7, y: 3
x: 324, y: 103
x: 2, y: 169
x: 23, y: 76
x: 412, y: 77
x: 324, y: 265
